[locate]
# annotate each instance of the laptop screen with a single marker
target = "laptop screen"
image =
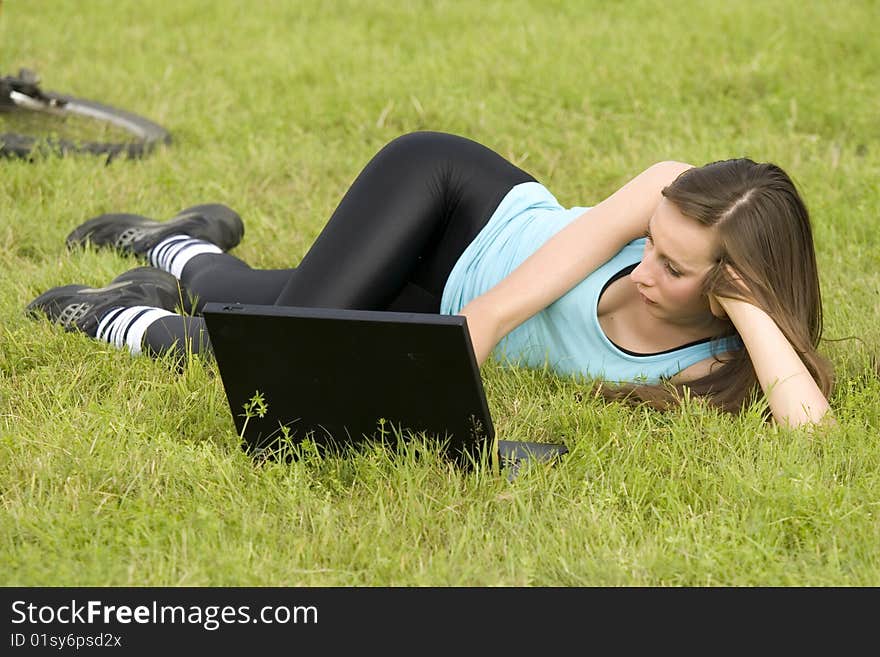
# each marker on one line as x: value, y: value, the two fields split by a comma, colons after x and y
x: 339, y: 377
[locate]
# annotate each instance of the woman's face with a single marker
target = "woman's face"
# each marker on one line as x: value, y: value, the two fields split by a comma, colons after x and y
x: 679, y: 252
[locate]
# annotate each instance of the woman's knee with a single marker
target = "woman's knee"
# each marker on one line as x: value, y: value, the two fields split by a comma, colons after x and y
x: 420, y: 140
x: 445, y: 153
x: 416, y: 148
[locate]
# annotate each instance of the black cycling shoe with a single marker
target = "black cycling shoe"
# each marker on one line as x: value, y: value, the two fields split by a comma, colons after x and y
x: 80, y: 308
x: 132, y: 233
x: 161, y: 280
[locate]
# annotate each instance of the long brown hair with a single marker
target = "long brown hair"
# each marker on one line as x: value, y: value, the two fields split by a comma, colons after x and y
x: 764, y: 232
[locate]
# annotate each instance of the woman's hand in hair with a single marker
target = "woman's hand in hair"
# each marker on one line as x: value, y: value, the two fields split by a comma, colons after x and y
x: 793, y: 395
x: 717, y: 301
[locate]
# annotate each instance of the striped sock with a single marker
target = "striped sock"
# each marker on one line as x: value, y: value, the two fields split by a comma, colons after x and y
x: 172, y: 253
x: 125, y: 327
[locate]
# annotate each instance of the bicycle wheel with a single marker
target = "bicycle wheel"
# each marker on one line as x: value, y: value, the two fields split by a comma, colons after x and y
x: 33, y: 122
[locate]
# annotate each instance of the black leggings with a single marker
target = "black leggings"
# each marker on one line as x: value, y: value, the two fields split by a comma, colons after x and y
x: 390, y: 244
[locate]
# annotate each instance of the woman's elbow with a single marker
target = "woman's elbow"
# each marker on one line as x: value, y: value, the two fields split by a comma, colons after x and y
x: 672, y: 169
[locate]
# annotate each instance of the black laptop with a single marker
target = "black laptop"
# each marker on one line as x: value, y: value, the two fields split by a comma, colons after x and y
x: 341, y: 377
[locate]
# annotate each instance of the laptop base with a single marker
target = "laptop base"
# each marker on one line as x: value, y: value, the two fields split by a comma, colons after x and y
x: 514, y: 454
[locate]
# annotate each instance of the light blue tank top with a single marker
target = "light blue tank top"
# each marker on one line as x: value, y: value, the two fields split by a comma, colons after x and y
x: 566, y: 335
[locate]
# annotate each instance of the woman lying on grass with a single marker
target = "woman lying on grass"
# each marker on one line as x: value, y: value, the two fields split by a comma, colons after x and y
x: 699, y: 278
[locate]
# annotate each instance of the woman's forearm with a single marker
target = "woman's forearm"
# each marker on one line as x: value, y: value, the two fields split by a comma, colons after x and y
x: 791, y: 391
x: 483, y: 326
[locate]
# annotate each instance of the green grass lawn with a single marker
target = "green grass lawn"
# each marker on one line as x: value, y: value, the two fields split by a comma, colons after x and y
x: 116, y: 470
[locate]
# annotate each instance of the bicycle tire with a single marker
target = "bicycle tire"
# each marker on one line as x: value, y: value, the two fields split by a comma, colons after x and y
x: 139, y: 135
